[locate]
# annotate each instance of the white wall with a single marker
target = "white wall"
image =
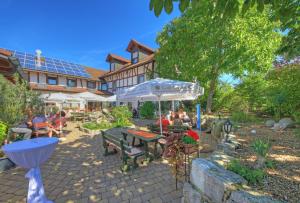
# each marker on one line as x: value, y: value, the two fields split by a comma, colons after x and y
x: 33, y: 77
x: 43, y: 79
x: 62, y: 81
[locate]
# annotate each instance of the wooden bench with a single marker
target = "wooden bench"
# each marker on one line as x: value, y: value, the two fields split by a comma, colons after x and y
x: 119, y: 144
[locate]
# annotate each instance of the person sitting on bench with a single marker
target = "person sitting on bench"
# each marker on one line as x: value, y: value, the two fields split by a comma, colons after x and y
x: 24, y: 127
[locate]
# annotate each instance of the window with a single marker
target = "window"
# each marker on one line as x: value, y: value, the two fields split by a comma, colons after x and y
x: 112, y: 66
x: 114, y: 85
x: 141, y: 79
x: 91, y: 85
x: 71, y: 82
x: 135, y: 56
x: 52, y: 80
x: 104, y: 86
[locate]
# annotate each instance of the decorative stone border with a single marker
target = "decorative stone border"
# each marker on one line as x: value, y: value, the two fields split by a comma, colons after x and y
x: 212, y: 183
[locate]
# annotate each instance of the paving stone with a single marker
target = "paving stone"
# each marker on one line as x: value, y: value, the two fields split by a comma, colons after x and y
x: 78, y: 171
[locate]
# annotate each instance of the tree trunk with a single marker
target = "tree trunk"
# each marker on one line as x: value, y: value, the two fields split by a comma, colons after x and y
x: 212, y: 87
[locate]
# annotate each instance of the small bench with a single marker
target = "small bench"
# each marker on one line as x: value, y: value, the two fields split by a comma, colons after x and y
x: 127, y: 152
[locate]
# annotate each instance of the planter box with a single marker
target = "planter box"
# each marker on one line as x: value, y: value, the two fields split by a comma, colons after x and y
x: 6, y: 164
x: 90, y: 132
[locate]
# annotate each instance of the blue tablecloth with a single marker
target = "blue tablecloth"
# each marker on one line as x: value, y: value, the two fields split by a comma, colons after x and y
x: 31, y: 154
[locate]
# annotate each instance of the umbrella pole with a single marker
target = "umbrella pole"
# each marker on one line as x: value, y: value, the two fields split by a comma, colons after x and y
x: 160, y: 121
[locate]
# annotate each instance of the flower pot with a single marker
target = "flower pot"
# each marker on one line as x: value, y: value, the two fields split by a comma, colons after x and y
x: 189, y: 148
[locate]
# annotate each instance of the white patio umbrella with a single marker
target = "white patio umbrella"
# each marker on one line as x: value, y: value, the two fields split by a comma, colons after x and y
x: 161, y: 90
x: 111, y: 98
x: 60, y: 98
x: 89, y: 96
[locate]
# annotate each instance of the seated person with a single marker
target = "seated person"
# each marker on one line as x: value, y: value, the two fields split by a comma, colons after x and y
x: 24, y: 127
x: 177, y: 121
x: 40, y: 123
x: 164, y: 122
x: 58, y: 122
x: 186, y: 119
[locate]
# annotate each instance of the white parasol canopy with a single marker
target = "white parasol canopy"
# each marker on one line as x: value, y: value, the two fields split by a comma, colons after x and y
x: 160, y: 89
x: 89, y: 96
x: 111, y: 98
x: 60, y: 97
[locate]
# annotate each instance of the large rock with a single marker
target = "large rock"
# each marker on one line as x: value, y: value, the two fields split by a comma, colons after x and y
x: 286, y: 123
x: 213, y: 181
x: 270, y: 123
x: 246, y: 197
x: 220, y: 158
x: 190, y: 195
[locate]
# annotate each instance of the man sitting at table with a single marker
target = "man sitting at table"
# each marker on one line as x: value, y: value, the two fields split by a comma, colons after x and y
x: 164, y: 122
x: 25, y: 126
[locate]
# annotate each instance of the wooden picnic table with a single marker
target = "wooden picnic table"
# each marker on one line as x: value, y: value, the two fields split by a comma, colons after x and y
x: 145, y: 137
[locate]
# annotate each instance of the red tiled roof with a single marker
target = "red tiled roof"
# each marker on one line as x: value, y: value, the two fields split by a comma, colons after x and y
x: 57, y: 88
x: 95, y: 73
x: 118, y: 58
x: 130, y: 66
x: 133, y: 43
x: 5, y: 52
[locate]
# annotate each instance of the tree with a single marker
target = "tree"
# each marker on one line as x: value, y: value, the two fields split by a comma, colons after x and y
x: 204, y: 45
x: 287, y: 11
x: 15, y: 99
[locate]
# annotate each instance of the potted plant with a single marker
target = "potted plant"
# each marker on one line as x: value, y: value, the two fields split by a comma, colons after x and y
x: 189, y: 144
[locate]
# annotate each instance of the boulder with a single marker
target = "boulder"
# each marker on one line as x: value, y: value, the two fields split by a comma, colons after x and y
x: 220, y: 158
x: 190, y: 195
x: 246, y: 197
x: 213, y: 181
x: 270, y: 123
x: 286, y: 123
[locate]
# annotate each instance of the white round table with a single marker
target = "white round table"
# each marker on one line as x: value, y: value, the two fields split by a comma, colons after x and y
x: 31, y: 154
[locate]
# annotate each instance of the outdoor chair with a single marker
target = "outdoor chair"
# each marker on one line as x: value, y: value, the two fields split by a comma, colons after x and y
x: 127, y: 152
x: 41, y: 128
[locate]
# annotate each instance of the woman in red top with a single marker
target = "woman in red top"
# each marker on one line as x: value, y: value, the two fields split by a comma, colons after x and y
x: 164, y: 122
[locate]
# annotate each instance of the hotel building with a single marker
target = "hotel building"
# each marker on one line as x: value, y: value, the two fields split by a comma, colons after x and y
x: 48, y: 75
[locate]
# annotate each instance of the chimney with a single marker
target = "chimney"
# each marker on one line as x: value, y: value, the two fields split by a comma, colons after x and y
x: 38, y: 57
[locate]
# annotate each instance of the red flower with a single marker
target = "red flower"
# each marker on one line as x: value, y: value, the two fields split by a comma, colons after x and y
x: 193, y: 134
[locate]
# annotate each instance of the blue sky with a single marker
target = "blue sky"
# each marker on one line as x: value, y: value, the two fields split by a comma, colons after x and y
x: 80, y: 31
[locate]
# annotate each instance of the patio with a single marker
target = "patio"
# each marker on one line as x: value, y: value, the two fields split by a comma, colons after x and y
x: 78, y: 172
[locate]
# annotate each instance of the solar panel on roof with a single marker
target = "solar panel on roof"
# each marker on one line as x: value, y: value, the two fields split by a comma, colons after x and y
x: 51, y: 65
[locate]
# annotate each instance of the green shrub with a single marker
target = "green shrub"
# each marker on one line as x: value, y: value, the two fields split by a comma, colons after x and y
x: 97, y: 126
x: 253, y: 176
x: 270, y: 164
x: 243, y: 117
x: 122, y: 116
x: 297, y: 133
x: 261, y: 147
x: 147, y: 110
x: 15, y: 99
x: 188, y: 140
x: 3, y: 132
x: 296, y: 116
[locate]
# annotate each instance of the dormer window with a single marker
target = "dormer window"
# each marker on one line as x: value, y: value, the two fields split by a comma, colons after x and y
x: 134, y: 56
x: 112, y: 66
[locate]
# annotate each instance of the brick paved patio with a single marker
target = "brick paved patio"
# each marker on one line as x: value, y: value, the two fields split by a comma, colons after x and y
x: 78, y: 172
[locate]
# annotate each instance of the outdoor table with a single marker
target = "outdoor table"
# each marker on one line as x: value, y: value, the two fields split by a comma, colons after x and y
x: 146, y: 137
x: 30, y: 154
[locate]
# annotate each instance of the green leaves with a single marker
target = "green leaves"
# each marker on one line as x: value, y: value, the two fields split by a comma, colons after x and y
x: 157, y: 5
x: 261, y: 147
x: 183, y: 5
x: 168, y: 5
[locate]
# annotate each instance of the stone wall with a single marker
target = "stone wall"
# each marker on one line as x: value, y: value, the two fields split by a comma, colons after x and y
x: 211, y: 183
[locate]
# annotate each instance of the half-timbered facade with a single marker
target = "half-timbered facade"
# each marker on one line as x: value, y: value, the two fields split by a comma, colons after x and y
x: 125, y: 73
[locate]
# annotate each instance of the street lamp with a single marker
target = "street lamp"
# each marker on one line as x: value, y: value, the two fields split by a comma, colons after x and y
x: 227, y: 129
